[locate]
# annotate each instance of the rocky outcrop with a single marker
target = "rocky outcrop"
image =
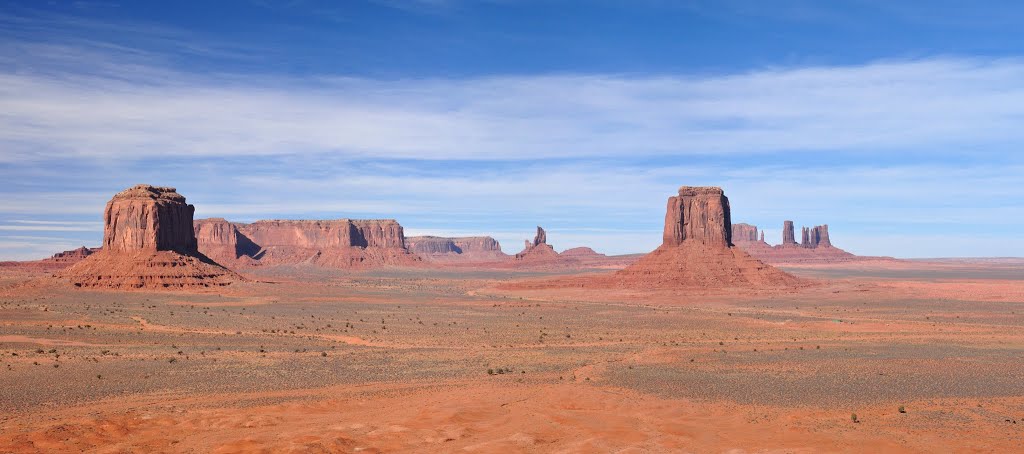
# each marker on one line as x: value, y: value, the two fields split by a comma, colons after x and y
x: 815, y: 247
x: 148, y: 218
x: 148, y: 242
x: 744, y: 233
x: 340, y: 243
x: 788, y: 238
x: 73, y: 256
x: 696, y: 251
x: 699, y: 215
x: 538, y: 251
x: 818, y: 237
x: 541, y: 237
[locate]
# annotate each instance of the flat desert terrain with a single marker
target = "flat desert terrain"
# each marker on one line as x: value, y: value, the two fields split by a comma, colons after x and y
x: 907, y: 356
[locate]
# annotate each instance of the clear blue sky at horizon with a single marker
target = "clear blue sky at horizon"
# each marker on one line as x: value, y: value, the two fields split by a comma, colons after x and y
x: 896, y: 123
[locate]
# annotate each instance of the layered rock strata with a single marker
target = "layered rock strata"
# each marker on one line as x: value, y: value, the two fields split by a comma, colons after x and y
x: 340, y: 243
x: 148, y: 242
x: 697, y: 251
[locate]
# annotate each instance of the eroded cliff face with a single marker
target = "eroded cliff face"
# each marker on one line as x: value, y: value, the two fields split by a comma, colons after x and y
x: 382, y: 233
x: 148, y: 242
x: 788, y: 236
x: 818, y: 237
x: 340, y: 243
x: 698, y: 214
x: 150, y: 218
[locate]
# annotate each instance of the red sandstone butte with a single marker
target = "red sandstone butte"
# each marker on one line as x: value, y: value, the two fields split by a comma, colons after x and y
x: 148, y: 242
x: 338, y: 243
x: 696, y: 250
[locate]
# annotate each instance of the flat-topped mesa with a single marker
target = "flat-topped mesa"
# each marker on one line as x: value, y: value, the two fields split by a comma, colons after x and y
x: 744, y: 233
x: 698, y: 215
x: 149, y: 218
x: 148, y: 242
x: 788, y: 236
x: 365, y: 233
x: 339, y: 243
x: 452, y: 245
x: 457, y: 250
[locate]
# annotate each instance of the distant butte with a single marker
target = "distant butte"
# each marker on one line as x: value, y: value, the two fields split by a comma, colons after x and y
x: 474, y: 249
x: 539, y: 250
x: 815, y: 246
x: 697, y: 251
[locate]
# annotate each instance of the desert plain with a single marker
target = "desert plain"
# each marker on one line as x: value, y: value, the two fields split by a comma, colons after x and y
x: 928, y: 356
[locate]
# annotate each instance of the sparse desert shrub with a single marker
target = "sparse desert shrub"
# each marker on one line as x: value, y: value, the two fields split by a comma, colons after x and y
x: 902, y: 409
x: 490, y: 371
x: 853, y: 417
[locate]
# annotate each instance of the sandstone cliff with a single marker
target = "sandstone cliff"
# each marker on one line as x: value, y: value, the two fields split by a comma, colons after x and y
x: 698, y: 215
x: 788, y: 238
x: 148, y: 242
x: 149, y: 218
x: 340, y: 243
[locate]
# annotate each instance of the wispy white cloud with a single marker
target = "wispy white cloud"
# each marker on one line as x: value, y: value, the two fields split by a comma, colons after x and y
x: 121, y: 109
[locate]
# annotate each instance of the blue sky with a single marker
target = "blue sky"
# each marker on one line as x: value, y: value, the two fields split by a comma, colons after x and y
x: 896, y: 123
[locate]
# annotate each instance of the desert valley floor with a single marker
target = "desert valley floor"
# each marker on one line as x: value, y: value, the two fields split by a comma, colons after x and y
x: 929, y: 356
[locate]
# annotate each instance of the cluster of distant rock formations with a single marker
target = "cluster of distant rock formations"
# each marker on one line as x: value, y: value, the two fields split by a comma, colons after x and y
x: 815, y: 245
x: 151, y: 240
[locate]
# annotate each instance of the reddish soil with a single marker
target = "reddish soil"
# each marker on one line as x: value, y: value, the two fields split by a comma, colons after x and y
x: 444, y: 360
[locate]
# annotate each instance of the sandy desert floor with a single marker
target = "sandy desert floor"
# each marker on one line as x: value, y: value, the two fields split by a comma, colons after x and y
x: 929, y: 356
